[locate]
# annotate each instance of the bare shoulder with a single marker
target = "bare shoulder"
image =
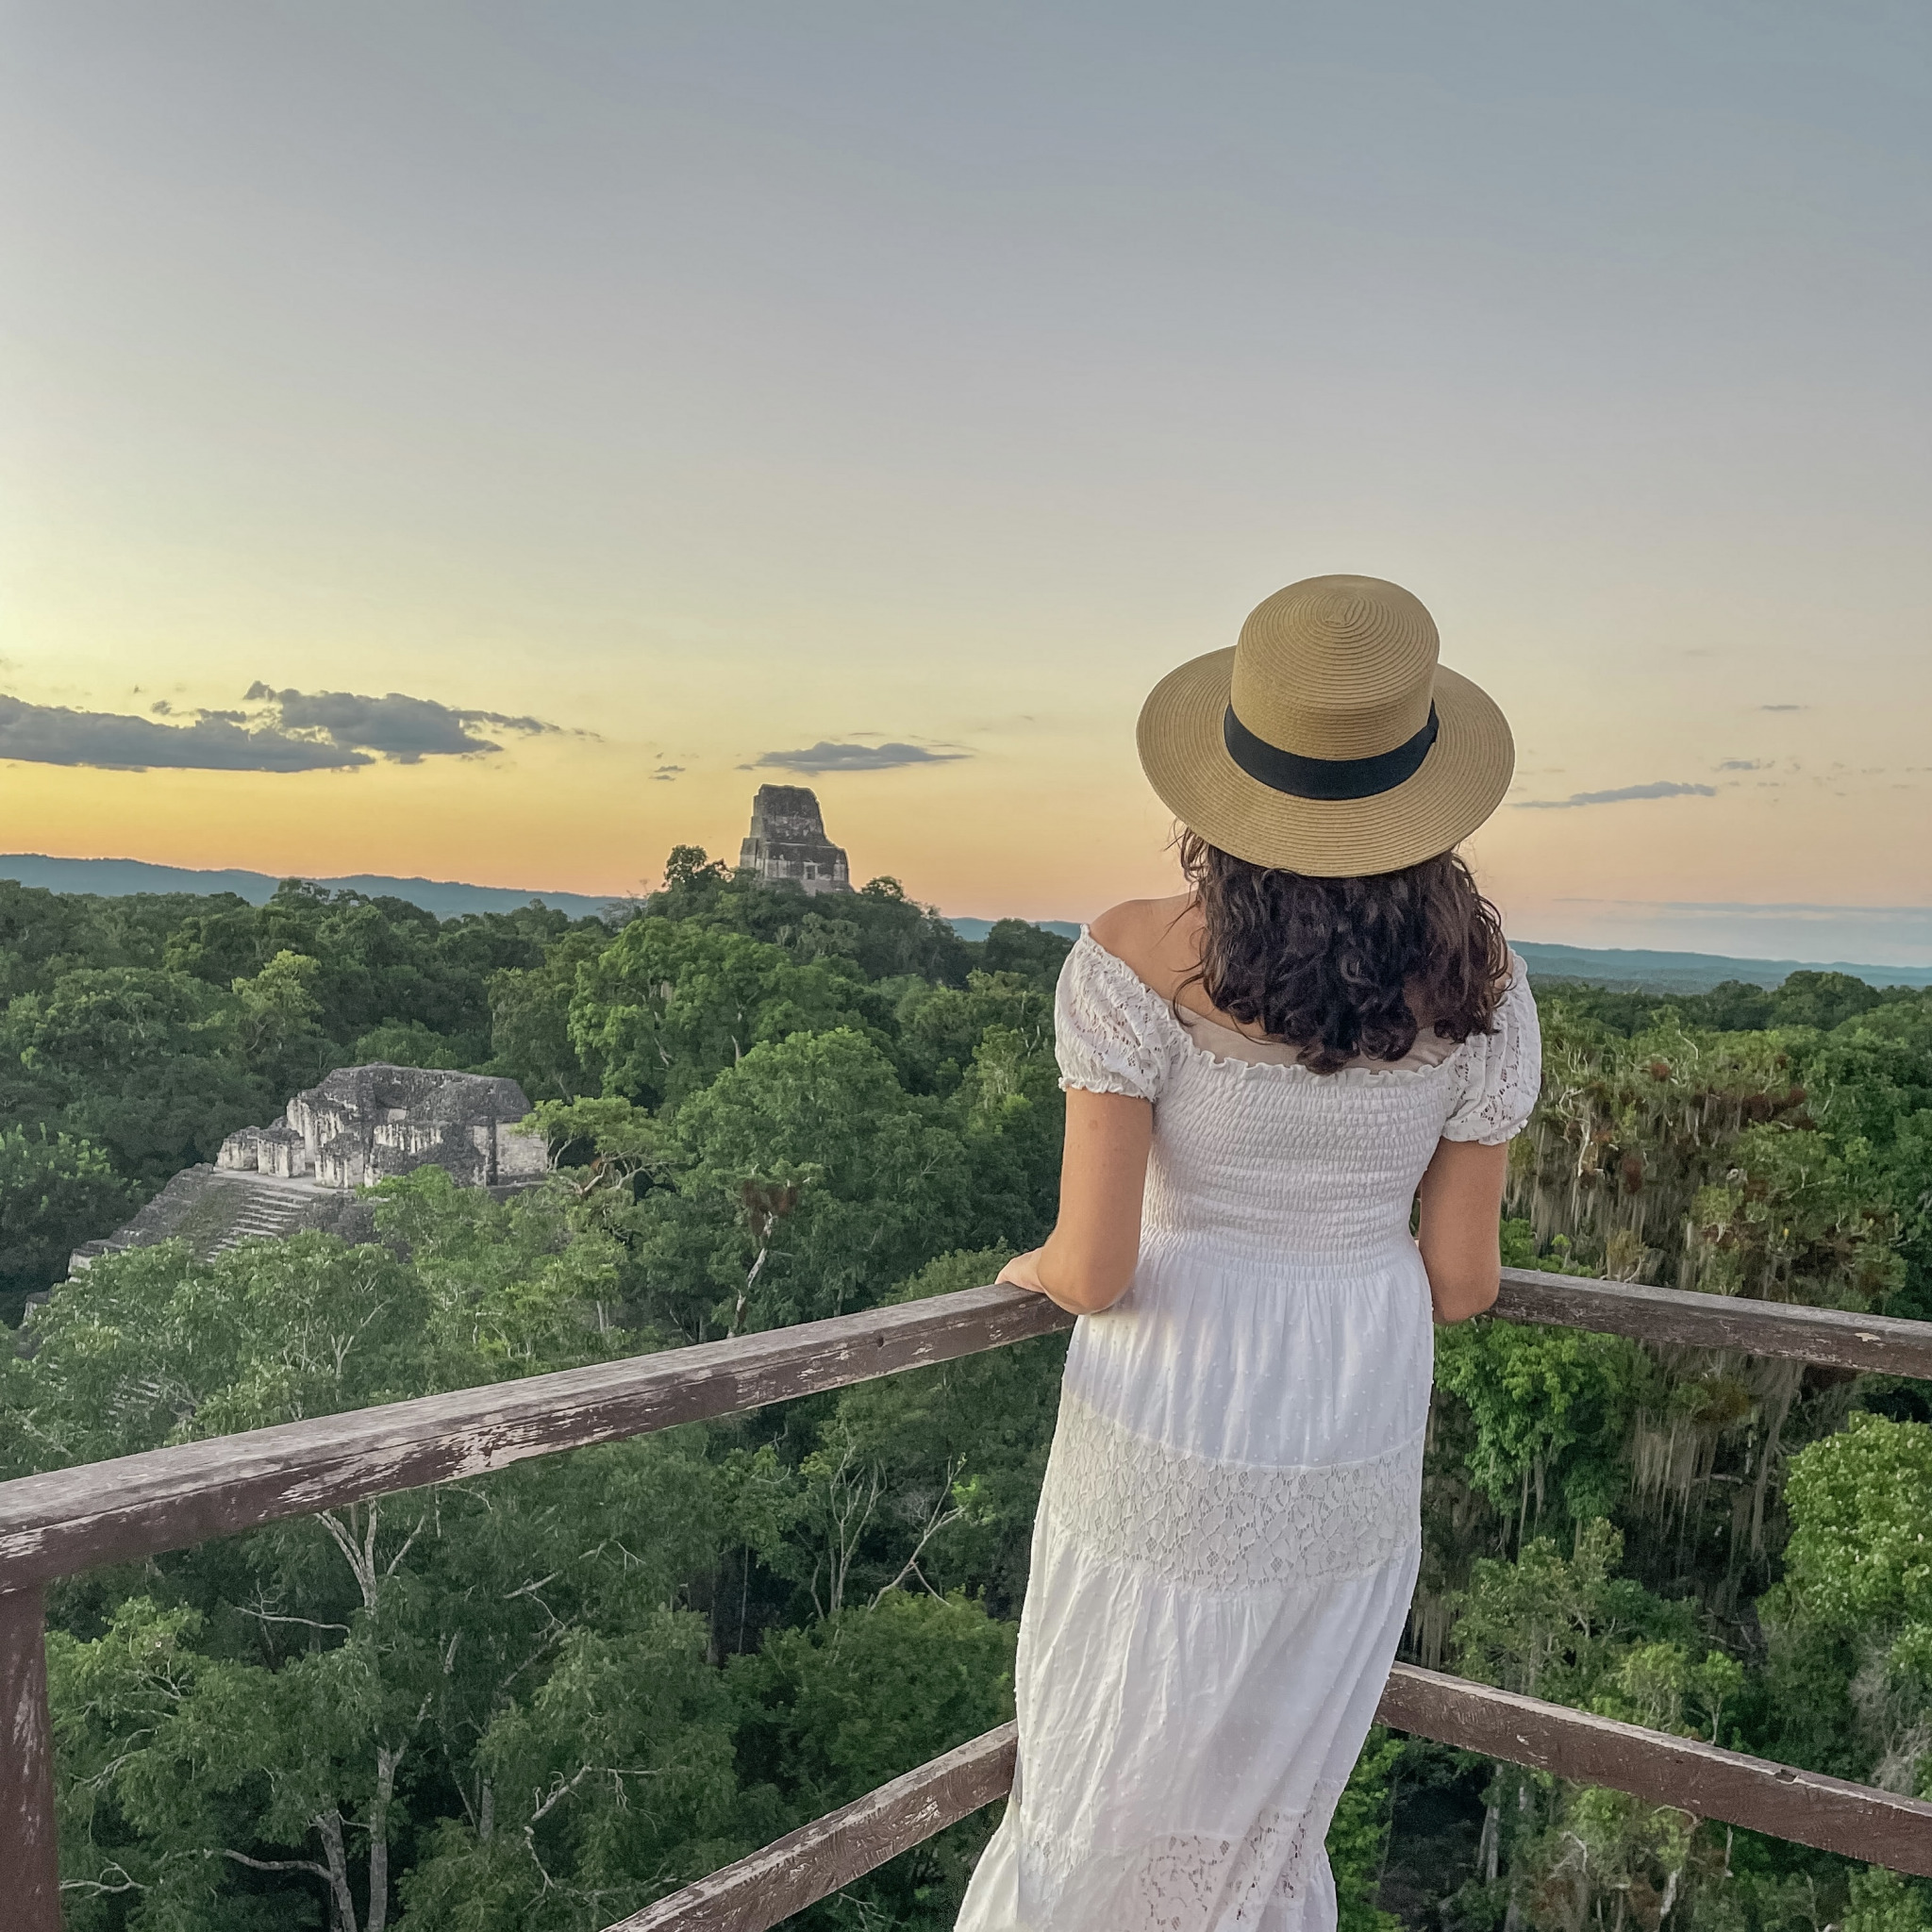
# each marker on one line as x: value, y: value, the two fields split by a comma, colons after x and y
x: 1135, y: 924
x: 1156, y: 938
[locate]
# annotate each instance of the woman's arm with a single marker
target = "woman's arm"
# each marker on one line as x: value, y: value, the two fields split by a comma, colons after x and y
x: 1461, y: 1198
x: 1088, y: 1258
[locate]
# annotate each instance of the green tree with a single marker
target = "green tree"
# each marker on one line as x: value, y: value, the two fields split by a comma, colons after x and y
x: 1359, y: 1836
x: 1885, y: 1900
x: 1571, y: 1630
x: 529, y: 1018
x: 955, y: 1455
x: 145, y: 1063
x: 275, y: 1023
x: 271, y: 1713
x: 56, y: 1190
x: 1823, y: 1000
x: 1013, y: 945
x: 802, y: 1182
x: 1550, y: 1409
x: 611, y: 1784
x: 670, y: 1005
x: 832, y: 1711
x: 1859, y: 1575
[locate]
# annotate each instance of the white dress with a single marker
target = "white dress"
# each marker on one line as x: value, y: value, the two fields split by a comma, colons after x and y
x: 1229, y: 1529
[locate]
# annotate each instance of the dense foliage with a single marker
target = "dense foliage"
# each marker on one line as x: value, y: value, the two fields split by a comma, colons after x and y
x: 542, y: 1699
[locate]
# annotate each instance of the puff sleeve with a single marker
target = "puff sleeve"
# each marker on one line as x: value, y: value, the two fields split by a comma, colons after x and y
x: 1503, y: 1071
x: 1108, y: 1030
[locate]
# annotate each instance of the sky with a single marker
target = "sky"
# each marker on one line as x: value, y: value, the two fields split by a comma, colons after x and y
x: 487, y: 440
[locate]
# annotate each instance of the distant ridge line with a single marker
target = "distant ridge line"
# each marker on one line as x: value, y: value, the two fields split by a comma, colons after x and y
x: 117, y: 878
x: 1653, y: 972
x: 1636, y: 969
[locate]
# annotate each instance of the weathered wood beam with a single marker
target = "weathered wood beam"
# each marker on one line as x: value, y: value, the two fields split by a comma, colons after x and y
x: 1876, y: 1344
x: 1856, y: 1821
x: 816, y: 1860
x: 29, y: 1863
x: 137, y: 1505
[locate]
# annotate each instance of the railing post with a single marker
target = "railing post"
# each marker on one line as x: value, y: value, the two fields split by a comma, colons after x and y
x: 29, y: 1863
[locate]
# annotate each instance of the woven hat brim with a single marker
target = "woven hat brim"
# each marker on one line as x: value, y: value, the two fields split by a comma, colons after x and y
x: 1455, y: 788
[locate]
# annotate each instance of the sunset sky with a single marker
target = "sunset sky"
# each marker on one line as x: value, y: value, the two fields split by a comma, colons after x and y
x: 487, y: 440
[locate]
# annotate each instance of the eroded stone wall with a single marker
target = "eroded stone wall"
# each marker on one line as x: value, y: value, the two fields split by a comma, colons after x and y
x: 360, y: 1125
x: 787, y: 843
x: 363, y: 1124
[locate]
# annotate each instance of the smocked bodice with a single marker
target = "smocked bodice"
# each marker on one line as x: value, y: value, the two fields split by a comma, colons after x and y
x: 1265, y: 1155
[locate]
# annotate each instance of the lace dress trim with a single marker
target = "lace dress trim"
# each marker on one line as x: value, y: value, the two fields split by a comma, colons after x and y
x: 1226, y: 1527
x: 1505, y: 1075
x: 1184, y: 1881
x: 1110, y: 1041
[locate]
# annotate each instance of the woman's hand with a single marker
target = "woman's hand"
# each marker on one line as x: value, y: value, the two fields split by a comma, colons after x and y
x: 1023, y: 1271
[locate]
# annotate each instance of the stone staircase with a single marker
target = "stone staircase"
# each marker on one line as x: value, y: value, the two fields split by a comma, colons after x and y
x: 214, y: 1210
x: 261, y: 1210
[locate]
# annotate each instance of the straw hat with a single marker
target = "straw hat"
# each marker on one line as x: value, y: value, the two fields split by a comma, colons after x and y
x: 1330, y: 741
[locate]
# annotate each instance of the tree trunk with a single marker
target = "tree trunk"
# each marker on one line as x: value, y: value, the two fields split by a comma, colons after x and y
x: 385, y: 1763
x: 342, y: 1904
x: 1489, y: 1846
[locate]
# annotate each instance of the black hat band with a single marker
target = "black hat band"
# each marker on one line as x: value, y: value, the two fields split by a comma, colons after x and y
x: 1331, y: 778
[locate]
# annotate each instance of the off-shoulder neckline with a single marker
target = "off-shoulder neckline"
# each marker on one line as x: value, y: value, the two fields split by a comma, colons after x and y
x: 1348, y: 1076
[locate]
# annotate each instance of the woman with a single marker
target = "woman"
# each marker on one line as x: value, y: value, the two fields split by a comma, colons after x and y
x: 1262, y: 1075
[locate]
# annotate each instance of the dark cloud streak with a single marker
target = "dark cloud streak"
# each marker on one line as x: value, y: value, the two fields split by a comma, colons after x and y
x: 293, y: 731
x: 824, y: 756
x: 401, y: 727
x: 1663, y: 788
x: 54, y: 735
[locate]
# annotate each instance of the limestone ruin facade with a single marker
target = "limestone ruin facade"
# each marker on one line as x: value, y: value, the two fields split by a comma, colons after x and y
x: 360, y: 1125
x: 363, y: 1124
x: 787, y: 844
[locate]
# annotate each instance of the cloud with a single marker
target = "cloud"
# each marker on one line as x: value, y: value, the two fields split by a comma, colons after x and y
x: 1783, y: 708
x: 667, y: 774
x: 403, y: 728
x: 1745, y: 765
x: 54, y: 735
x: 289, y: 731
x: 1663, y: 788
x: 852, y: 758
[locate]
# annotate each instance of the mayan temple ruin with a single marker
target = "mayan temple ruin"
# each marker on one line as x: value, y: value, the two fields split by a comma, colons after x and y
x: 787, y: 843
x: 355, y: 1126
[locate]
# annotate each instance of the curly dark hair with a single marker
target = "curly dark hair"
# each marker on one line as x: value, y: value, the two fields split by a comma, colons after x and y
x: 1347, y: 968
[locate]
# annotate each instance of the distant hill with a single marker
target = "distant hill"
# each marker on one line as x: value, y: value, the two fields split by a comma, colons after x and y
x: 1642, y: 972
x: 1633, y: 970
x: 115, y: 878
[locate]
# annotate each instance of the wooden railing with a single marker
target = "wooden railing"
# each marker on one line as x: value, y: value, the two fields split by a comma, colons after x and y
x: 70, y: 1520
